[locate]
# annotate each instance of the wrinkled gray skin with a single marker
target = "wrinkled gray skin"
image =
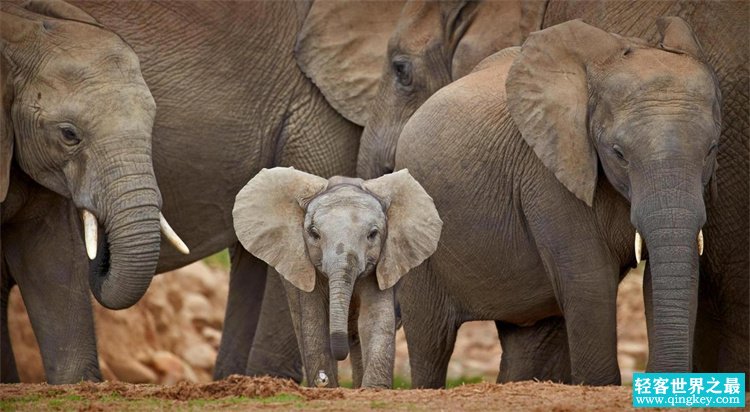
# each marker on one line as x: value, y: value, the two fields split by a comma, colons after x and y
x: 722, y: 332
x: 723, y: 318
x: 509, y: 251
x: 434, y: 44
x: 341, y: 245
x: 87, y: 141
x: 230, y: 103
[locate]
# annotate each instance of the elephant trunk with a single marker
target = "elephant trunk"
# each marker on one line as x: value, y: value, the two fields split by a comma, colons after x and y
x: 341, y: 285
x: 669, y: 216
x: 129, y: 250
x: 377, y: 148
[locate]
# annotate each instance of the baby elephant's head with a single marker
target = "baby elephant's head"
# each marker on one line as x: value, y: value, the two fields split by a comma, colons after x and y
x: 341, y: 228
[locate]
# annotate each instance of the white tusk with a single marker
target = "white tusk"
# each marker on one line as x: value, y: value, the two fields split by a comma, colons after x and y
x: 638, y: 246
x: 700, y: 243
x: 172, y: 236
x: 90, y: 233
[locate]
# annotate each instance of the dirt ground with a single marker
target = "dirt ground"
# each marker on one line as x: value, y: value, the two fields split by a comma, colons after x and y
x: 243, y: 393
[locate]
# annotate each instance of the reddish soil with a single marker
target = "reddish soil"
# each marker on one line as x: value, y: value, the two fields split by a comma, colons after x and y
x: 237, y: 392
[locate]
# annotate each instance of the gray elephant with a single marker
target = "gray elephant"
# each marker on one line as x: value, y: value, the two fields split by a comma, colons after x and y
x: 723, y: 323
x: 230, y: 102
x: 77, y: 119
x: 341, y: 245
x: 722, y: 331
x: 542, y: 162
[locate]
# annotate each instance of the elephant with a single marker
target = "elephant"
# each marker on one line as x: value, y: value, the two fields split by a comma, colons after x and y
x: 341, y: 244
x: 421, y: 58
x: 544, y: 163
x: 231, y: 100
x: 73, y: 94
x: 722, y: 331
x: 723, y: 319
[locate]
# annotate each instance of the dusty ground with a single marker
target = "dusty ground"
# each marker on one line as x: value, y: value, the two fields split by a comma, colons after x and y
x: 242, y: 393
x: 172, y: 335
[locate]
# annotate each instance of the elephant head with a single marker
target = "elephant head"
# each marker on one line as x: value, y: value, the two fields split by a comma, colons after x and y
x: 77, y: 118
x: 649, y: 117
x: 434, y: 44
x: 382, y: 60
x: 340, y: 229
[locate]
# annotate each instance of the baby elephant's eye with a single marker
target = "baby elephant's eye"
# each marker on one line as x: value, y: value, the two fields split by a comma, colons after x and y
x: 373, y: 234
x: 313, y: 232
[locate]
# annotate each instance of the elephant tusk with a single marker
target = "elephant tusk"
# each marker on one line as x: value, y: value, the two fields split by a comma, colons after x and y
x: 700, y: 243
x: 90, y: 233
x: 172, y: 236
x: 638, y: 246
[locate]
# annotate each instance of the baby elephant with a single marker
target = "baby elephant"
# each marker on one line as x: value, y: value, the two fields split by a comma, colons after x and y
x: 341, y: 245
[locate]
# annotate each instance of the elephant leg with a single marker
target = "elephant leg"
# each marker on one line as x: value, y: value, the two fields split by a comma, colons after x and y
x: 584, y: 274
x: 8, y: 370
x: 47, y: 260
x: 536, y: 352
x: 310, y: 319
x: 247, y: 279
x: 430, y: 323
x: 377, y: 328
x: 355, y: 342
x: 275, y: 351
x: 721, y: 327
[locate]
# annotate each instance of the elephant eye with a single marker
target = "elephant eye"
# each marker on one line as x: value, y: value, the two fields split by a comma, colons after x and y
x: 618, y: 152
x: 313, y: 232
x: 402, y: 70
x: 373, y: 234
x: 69, y: 135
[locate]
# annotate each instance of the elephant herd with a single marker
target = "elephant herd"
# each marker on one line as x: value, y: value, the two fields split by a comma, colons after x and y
x: 514, y: 159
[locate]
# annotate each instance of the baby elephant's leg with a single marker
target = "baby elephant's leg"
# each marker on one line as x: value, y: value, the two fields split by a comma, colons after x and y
x: 377, y: 332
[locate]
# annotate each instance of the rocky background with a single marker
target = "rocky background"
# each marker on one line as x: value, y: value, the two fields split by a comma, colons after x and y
x: 173, y: 334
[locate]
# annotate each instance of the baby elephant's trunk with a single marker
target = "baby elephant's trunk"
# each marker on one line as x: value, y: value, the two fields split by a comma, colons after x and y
x: 341, y: 285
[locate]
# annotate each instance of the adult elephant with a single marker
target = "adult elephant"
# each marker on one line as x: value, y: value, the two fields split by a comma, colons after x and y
x: 571, y: 128
x: 77, y: 120
x: 721, y: 334
x: 231, y: 101
x: 722, y: 327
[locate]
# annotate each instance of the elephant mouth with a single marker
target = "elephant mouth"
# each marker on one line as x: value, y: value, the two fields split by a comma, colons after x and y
x: 99, y: 266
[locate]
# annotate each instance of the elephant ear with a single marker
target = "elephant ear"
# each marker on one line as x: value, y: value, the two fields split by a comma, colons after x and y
x: 15, y: 31
x: 269, y: 217
x: 413, y: 225
x: 6, y: 131
x: 547, y: 91
x: 59, y: 9
x: 495, y: 26
x: 677, y: 36
x: 341, y: 48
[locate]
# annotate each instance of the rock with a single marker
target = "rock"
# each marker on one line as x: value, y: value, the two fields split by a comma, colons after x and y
x: 107, y: 373
x: 196, y: 308
x: 130, y: 370
x: 201, y: 356
x: 172, y: 369
x: 212, y: 336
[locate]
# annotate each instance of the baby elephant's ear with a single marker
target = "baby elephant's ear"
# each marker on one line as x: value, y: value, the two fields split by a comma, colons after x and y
x: 269, y: 219
x: 677, y: 36
x: 413, y: 225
